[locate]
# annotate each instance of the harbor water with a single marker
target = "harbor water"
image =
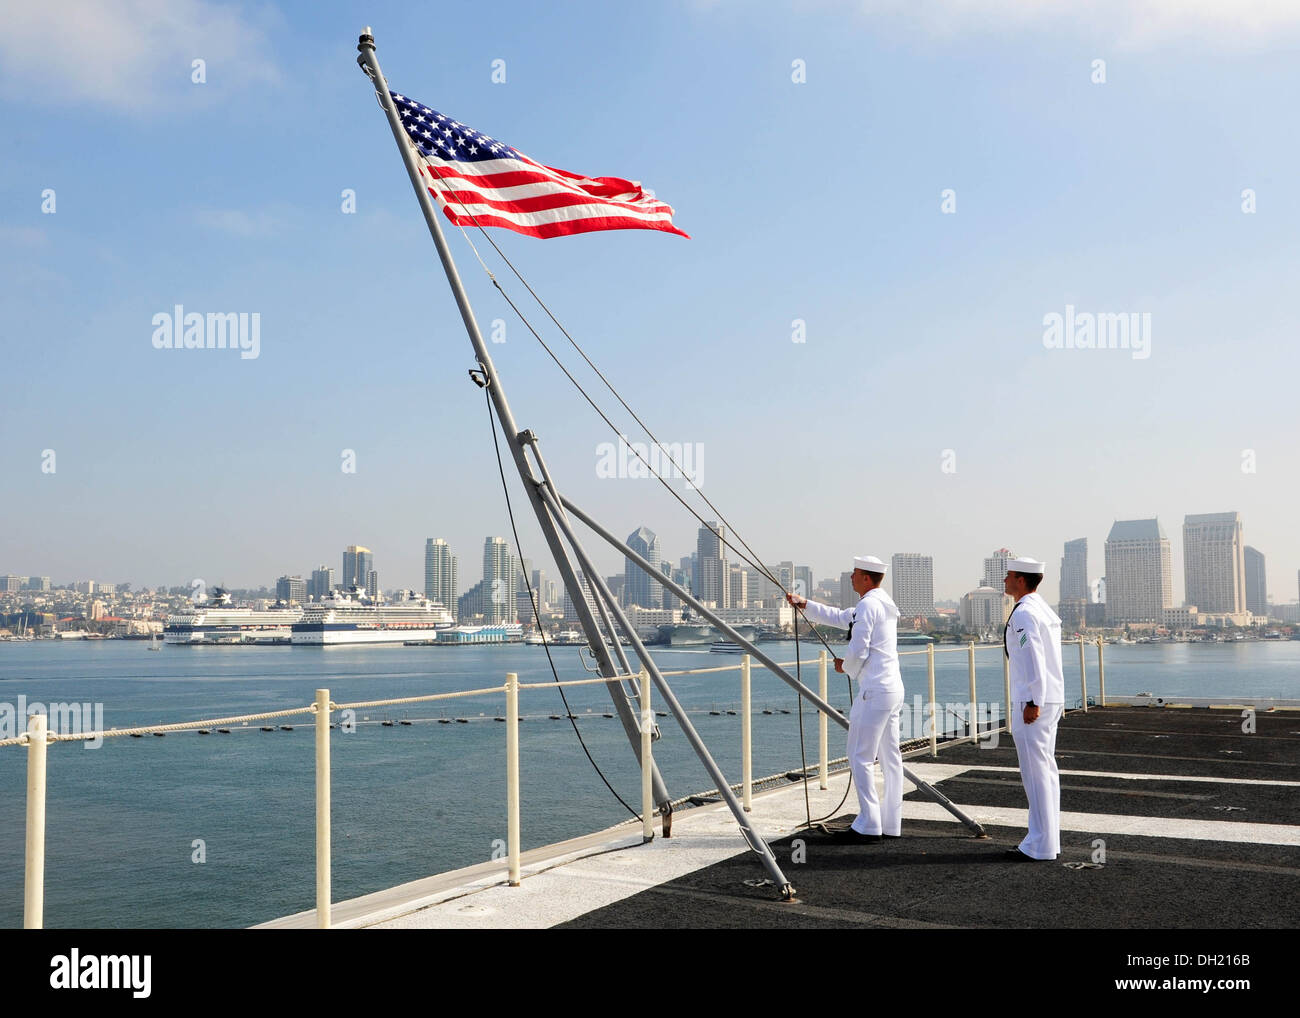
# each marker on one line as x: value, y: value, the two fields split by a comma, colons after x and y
x: 217, y: 830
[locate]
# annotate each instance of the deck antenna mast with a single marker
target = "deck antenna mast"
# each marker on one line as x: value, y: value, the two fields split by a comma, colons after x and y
x: 545, y: 498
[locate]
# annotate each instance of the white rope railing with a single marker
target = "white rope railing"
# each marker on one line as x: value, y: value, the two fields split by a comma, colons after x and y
x: 37, y: 739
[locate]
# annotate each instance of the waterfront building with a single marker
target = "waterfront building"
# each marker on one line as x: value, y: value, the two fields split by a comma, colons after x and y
x: 322, y: 583
x: 1139, y: 584
x: 995, y: 568
x: 1073, y: 595
x: 985, y: 610
x: 440, y: 567
x: 639, y: 587
x: 712, y: 579
x: 500, y: 581
x: 1256, y: 583
x: 291, y: 590
x: 1214, y: 565
x: 357, y: 564
x: 911, y: 580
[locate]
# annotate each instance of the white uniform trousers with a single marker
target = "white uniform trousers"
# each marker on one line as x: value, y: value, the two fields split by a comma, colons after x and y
x: 1036, y: 751
x: 873, y: 732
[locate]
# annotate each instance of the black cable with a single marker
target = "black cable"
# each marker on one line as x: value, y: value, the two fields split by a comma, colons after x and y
x: 803, y: 756
x: 803, y: 753
x: 537, y: 612
x: 763, y: 570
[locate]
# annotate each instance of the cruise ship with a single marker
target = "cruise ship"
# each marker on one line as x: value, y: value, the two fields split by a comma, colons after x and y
x: 219, y: 621
x: 354, y: 618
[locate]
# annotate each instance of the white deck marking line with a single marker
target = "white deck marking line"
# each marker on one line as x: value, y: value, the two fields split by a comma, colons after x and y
x: 1111, y: 823
x: 952, y: 770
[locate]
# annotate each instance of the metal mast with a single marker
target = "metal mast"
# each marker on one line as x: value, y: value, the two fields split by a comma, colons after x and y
x: 552, y: 520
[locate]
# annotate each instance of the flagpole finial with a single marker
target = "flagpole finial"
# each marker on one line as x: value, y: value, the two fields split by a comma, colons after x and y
x: 366, y: 40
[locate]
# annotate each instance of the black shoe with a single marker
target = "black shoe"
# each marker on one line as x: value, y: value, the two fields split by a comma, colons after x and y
x: 1015, y: 855
x: 852, y: 837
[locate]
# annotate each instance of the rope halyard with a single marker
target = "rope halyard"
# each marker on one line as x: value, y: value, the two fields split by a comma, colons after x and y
x: 754, y: 561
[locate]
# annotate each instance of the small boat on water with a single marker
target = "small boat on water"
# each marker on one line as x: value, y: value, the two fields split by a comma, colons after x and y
x: 725, y: 647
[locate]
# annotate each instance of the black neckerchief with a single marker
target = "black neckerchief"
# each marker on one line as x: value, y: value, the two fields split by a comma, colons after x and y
x: 849, y: 635
x: 1005, y: 652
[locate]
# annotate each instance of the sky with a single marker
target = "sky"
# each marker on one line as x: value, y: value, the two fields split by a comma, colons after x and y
x: 886, y: 204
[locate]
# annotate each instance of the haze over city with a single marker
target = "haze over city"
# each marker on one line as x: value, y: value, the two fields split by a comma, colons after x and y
x: 885, y: 209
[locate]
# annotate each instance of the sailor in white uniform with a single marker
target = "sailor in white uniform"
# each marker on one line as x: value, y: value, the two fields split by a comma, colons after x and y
x: 872, y: 658
x: 1033, y: 648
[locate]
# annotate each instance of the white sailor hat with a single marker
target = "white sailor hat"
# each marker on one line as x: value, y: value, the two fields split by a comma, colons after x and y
x: 1024, y: 565
x: 870, y: 563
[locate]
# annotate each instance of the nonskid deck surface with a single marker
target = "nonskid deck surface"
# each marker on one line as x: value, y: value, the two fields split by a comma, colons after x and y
x: 1179, y: 817
x: 1171, y: 818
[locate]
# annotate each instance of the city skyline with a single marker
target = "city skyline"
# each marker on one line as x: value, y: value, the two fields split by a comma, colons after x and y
x: 919, y: 567
x: 1004, y: 184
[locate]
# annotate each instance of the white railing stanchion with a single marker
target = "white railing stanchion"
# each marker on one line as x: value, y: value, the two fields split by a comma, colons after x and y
x: 971, y: 721
x: 647, y: 765
x: 823, y: 759
x: 934, y: 721
x: 512, y: 775
x: 34, y: 878
x: 1101, y: 669
x: 323, y: 892
x: 1083, y: 676
x: 746, y: 738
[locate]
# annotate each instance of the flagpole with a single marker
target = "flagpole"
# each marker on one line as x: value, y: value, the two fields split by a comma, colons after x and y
x: 627, y: 714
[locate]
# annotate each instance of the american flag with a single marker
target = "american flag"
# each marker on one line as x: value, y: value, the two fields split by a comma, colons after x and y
x: 479, y: 181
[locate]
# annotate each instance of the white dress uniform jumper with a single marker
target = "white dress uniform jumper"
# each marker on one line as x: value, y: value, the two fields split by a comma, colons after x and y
x: 1033, y: 647
x: 872, y: 658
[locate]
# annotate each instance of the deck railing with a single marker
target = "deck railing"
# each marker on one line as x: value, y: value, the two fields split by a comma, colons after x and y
x: 38, y: 738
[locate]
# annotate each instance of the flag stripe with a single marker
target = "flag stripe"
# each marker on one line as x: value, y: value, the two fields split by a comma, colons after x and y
x: 544, y: 194
x: 477, y: 180
x: 469, y: 211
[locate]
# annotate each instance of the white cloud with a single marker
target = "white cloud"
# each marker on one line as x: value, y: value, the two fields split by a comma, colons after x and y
x: 237, y: 222
x: 129, y: 55
x: 29, y: 237
x: 1137, y: 24
x: 1127, y: 24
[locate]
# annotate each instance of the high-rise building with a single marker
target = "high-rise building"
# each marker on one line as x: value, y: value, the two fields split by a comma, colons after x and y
x: 322, y: 582
x: 1256, y: 584
x: 1073, y: 604
x: 1139, y: 584
x: 639, y: 587
x: 372, y: 585
x: 570, y: 612
x: 911, y: 579
x: 803, y: 581
x: 357, y: 563
x: 848, y: 596
x: 985, y: 609
x: 500, y: 580
x: 711, y: 573
x: 1214, y: 566
x: 995, y: 568
x: 291, y: 589
x: 470, y: 604
x: 10, y: 584
x: 41, y: 583
x: 440, y: 574
x: 738, y: 582
x: 670, y: 600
